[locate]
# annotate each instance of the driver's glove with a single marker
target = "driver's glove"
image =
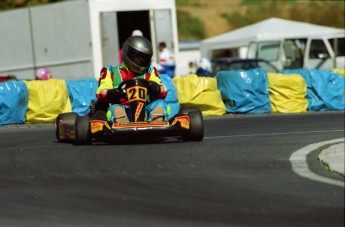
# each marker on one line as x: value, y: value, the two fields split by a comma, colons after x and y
x: 114, y: 95
x: 154, y: 89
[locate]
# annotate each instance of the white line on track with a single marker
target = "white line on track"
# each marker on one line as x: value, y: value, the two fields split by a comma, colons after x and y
x: 298, y: 158
x: 300, y: 166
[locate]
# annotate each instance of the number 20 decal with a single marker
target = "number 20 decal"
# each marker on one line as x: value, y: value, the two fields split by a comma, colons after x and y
x: 136, y: 93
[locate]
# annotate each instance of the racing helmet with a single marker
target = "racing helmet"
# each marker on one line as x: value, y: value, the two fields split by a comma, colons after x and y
x: 205, y: 64
x: 43, y: 74
x: 137, y: 53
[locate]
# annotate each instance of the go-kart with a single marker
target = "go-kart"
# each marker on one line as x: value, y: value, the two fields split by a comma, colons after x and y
x: 82, y: 130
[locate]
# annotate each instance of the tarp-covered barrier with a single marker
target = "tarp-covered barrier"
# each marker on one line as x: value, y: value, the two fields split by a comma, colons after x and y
x: 201, y: 92
x: 81, y: 93
x: 47, y: 99
x: 244, y: 91
x: 287, y: 93
x: 340, y: 71
x: 325, y: 89
x: 14, y: 98
x: 171, y: 97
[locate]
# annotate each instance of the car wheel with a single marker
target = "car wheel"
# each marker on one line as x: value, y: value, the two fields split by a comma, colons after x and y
x: 196, y: 131
x: 68, y: 118
x: 82, y: 130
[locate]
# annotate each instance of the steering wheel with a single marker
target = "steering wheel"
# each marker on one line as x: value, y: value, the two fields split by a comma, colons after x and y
x: 132, y: 82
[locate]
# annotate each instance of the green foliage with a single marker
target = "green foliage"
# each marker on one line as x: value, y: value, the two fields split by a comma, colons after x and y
x: 195, y: 3
x: 254, y: 2
x: 190, y: 28
x: 327, y: 13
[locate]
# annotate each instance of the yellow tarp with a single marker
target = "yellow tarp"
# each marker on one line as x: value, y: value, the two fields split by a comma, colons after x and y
x: 340, y: 71
x: 47, y: 99
x: 201, y: 92
x: 287, y: 93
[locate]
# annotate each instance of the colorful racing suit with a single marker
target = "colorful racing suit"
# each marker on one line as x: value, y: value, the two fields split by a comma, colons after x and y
x: 111, y: 77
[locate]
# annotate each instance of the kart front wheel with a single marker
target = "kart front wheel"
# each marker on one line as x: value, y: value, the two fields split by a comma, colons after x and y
x: 196, y: 131
x: 83, y: 131
x: 65, y: 123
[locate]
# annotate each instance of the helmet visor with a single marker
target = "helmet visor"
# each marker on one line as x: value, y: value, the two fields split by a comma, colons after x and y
x: 138, y: 57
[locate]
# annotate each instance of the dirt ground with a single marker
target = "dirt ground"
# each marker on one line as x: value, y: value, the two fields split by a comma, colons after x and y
x: 210, y: 13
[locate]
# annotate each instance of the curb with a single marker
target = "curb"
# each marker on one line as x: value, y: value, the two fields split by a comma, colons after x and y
x: 334, y: 157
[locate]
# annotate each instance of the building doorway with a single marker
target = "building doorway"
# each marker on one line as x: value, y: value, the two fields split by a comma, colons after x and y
x: 133, y: 20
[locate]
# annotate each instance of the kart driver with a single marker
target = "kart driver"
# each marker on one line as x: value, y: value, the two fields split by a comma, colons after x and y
x: 136, y: 54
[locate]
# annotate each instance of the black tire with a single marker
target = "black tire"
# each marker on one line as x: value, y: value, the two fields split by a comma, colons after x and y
x: 83, y: 131
x: 64, y: 117
x: 196, y: 131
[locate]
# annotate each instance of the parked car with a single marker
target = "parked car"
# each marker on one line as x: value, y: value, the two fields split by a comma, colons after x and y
x: 312, y: 52
x: 227, y: 64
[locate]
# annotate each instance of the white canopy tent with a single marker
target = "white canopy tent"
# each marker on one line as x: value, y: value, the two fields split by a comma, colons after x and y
x: 266, y: 30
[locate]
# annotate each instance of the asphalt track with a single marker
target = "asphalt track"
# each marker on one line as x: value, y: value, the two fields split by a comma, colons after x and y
x: 239, y: 175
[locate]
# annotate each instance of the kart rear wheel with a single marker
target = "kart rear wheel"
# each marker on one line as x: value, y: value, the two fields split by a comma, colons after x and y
x: 64, y: 117
x: 83, y: 131
x: 196, y: 132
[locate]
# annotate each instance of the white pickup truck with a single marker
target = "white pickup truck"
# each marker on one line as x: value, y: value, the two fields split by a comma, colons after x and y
x: 316, y: 52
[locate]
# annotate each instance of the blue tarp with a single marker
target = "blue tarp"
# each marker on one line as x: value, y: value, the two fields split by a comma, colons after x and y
x: 325, y: 89
x: 244, y: 91
x: 14, y: 98
x: 81, y: 93
x: 171, y: 97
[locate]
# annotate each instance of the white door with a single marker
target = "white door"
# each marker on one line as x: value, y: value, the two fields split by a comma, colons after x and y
x: 317, y: 55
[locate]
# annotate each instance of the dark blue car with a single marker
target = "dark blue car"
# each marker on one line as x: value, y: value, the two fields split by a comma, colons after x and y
x: 227, y: 64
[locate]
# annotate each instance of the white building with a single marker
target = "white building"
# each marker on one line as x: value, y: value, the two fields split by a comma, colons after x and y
x: 75, y: 39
